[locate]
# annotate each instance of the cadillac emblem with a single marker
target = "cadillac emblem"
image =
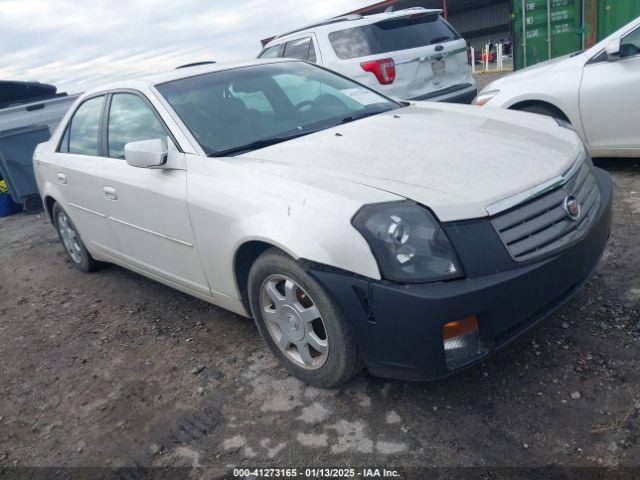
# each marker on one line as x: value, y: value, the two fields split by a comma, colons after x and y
x: 572, y: 207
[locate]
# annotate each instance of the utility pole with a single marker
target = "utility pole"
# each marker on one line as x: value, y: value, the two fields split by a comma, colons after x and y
x: 444, y: 7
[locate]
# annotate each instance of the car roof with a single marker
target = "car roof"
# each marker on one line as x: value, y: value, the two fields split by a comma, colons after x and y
x: 145, y: 81
x: 350, y: 21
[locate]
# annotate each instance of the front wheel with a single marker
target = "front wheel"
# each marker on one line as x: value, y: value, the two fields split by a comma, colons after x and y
x: 303, y: 327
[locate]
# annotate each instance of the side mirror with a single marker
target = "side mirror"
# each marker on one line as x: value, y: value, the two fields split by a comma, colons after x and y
x: 613, y: 49
x: 146, y: 153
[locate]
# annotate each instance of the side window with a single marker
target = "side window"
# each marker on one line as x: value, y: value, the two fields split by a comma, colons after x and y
x: 271, y: 52
x: 630, y: 45
x: 82, y: 134
x: 131, y: 120
x: 299, y: 49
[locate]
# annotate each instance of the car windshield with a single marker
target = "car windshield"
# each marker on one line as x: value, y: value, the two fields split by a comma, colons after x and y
x: 238, y: 110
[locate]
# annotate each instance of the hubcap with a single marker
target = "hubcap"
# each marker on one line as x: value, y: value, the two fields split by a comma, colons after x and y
x: 69, y: 238
x: 294, y: 322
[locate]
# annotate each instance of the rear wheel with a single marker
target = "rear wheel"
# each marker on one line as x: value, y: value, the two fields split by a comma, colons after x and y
x: 303, y: 327
x: 78, y: 254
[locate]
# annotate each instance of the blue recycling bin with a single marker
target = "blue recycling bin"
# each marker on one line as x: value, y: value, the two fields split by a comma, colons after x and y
x: 16, y: 162
x: 8, y: 206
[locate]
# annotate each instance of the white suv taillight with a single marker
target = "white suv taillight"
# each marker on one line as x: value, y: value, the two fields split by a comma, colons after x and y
x: 384, y: 70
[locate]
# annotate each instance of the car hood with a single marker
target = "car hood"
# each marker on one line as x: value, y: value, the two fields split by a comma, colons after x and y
x: 455, y: 159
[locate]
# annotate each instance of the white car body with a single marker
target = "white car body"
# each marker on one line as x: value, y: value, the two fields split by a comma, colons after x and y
x: 180, y: 227
x: 438, y: 72
x: 598, y: 93
x: 201, y: 220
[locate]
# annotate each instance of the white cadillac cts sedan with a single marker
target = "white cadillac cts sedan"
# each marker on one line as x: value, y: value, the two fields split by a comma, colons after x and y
x: 412, y: 238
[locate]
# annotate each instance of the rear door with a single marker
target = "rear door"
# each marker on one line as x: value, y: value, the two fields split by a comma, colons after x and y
x: 72, y: 167
x: 428, y: 53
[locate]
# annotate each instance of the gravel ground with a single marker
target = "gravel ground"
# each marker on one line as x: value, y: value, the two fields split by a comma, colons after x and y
x: 111, y: 369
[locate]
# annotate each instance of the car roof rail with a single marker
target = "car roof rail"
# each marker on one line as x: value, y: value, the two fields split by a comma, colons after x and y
x: 195, y: 64
x: 343, y: 18
x: 392, y: 12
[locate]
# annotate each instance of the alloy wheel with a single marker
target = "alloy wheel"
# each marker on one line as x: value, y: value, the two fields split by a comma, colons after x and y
x: 294, y: 322
x: 69, y: 237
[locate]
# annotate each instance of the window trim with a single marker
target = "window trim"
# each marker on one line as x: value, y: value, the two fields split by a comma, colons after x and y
x: 107, y: 112
x: 68, y: 126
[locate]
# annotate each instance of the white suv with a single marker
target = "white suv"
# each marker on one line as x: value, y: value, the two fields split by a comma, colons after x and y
x: 411, y: 54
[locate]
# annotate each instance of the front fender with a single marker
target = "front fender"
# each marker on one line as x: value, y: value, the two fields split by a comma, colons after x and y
x: 232, y: 206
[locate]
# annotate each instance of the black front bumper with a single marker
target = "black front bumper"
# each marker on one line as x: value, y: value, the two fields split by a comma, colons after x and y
x: 398, y: 327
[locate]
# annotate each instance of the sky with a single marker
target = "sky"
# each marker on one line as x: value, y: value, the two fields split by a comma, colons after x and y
x: 77, y: 45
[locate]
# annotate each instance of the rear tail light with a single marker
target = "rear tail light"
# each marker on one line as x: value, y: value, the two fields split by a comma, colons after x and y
x: 462, y: 342
x: 384, y: 70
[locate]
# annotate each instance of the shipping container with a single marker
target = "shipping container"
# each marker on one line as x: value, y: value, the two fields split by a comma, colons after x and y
x: 546, y: 29
x: 608, y: 16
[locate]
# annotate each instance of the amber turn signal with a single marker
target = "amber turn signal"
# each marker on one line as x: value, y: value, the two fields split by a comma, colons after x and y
x: 459, y: 327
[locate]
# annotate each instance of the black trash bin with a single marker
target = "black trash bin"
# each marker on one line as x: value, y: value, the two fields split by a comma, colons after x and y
x: 16, y: 163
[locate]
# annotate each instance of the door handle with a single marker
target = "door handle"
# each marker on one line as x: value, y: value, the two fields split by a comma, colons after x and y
x: 110, y: 192
x: 62, y: 178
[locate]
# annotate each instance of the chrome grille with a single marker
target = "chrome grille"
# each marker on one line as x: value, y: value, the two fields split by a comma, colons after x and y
x: 543, y: 226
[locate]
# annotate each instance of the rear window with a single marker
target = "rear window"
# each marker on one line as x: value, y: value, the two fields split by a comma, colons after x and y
x: 391, y: 35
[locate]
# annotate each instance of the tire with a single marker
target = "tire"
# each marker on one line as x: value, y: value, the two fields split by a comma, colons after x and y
x: 546, y: 110
x: 290, y: 319
x: 70, y: 238
x: 33, y: 204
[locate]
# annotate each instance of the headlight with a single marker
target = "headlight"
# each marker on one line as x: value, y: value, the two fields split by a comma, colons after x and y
x: 484, y: 97
x: 407, y: 242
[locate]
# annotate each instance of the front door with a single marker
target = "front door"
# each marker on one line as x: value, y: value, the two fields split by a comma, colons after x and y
x: 147, y: 208
x: 610, y: 99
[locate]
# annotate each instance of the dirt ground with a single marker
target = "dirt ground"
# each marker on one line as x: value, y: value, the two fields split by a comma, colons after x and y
x: 111, y: 369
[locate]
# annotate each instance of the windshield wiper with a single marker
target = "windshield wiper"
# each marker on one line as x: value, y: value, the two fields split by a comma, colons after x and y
x: 263, y: 143
x: 358, y: 116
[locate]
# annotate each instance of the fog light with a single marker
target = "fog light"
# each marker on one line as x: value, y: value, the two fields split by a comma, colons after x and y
x: 462, y: 342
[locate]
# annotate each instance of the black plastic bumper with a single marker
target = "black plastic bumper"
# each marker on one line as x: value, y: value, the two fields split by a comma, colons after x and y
x: 465, y: 97
x: 398, y: 327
